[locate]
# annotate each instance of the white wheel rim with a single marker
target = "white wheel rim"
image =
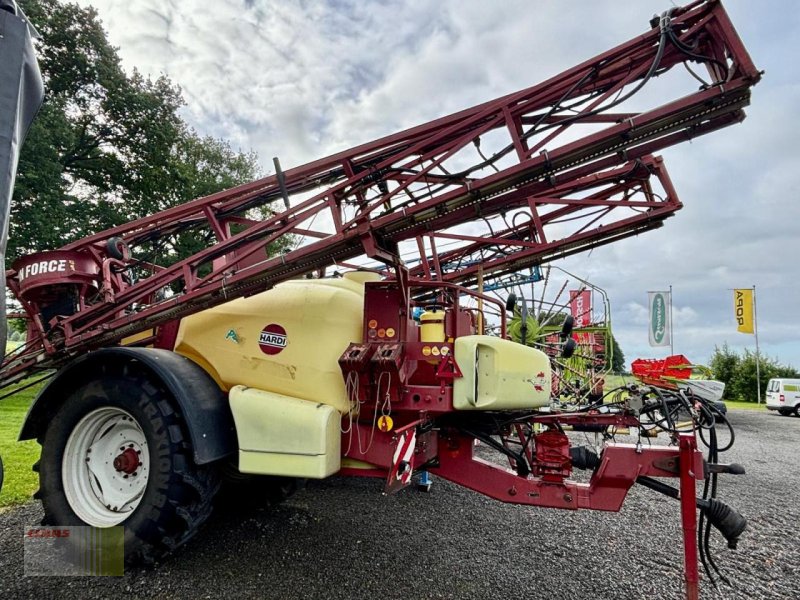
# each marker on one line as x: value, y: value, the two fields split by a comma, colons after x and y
x: 105, y: 467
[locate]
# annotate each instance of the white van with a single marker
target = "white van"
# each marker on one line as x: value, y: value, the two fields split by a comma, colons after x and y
x: 783, y: 395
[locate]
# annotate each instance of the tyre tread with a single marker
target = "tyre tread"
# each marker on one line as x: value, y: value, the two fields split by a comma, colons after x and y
x: 185, y: 500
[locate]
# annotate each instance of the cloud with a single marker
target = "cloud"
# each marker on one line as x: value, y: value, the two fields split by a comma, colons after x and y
x: 304, y: 79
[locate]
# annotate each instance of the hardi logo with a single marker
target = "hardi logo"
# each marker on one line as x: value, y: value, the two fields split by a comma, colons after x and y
x: 272, y: 339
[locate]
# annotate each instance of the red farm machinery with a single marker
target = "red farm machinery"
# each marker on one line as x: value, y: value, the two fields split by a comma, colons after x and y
x: 347, y: 333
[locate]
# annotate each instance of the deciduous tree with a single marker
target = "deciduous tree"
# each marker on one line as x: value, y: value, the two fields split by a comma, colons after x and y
x: 107, y: 146
x: 738, y: 372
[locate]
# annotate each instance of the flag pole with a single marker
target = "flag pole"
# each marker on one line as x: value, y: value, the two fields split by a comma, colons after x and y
x: 758, y: 354
x: 671, y: 341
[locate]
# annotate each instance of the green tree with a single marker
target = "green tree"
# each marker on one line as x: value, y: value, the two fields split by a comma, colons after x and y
x: 107, y: 147
x: 724, y: 364
x: 616, y: 356
x: 738, y: 372
x: 19, y: 326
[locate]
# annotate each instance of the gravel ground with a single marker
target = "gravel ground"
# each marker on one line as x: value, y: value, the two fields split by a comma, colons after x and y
x: 340, y: 538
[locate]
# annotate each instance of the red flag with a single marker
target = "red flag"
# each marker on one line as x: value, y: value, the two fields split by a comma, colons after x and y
x: 580, y: 305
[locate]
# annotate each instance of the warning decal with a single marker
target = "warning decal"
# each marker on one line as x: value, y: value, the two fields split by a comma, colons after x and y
x: 402, y: 462
x: 272, y: 339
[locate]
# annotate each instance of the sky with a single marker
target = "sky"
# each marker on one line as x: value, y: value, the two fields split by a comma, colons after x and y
x: 303, y: 79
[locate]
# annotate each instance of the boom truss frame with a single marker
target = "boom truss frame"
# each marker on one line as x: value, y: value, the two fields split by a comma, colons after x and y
x: 556, y: 139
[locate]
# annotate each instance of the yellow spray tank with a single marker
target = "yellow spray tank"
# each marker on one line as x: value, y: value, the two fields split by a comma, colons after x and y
x: 277, y: 355
x: 286, y: 340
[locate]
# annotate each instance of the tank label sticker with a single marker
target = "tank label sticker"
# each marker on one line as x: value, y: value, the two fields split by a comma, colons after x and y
x: 538, y: 382
x: 272, y: 339
x: 231, y: 335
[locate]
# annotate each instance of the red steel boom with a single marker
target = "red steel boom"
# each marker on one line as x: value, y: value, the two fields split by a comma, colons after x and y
x: 547, y: 142
x: 587, y: 207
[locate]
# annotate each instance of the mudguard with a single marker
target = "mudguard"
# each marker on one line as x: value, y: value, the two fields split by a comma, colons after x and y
x: 203, y: 405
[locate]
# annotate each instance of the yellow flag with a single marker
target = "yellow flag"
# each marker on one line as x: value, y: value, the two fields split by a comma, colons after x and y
x: 743, y: 310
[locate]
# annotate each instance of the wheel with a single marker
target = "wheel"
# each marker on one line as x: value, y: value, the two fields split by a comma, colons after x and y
x: 116, y: 247
x: 116, y: 453
x: 784, y: 412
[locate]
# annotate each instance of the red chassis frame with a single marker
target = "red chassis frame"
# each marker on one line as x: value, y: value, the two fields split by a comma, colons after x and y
x: 389, y: 374
x: 451, y: 455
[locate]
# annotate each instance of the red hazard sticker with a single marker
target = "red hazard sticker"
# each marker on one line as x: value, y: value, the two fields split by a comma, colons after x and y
x: 272, y: 339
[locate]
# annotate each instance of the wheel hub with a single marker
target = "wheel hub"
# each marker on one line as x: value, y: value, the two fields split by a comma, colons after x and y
x: 127, y: 461
x: 105, y: 467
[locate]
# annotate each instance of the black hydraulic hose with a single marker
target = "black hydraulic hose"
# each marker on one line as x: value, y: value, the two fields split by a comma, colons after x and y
x: 719, y: 417
x: 729, y: 522
x: 706, y: 420
x: 689, y: 51
x: 665, y: 408
x: 27, y: 385
x: 522, y: 467
x: 665, y: 35
x: 702, y: 525
x: 662, y: 43
x: 713, y: 456
x: 533, y: 129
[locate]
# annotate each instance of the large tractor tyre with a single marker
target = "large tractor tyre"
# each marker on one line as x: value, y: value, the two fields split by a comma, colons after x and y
x: 116, y: 453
